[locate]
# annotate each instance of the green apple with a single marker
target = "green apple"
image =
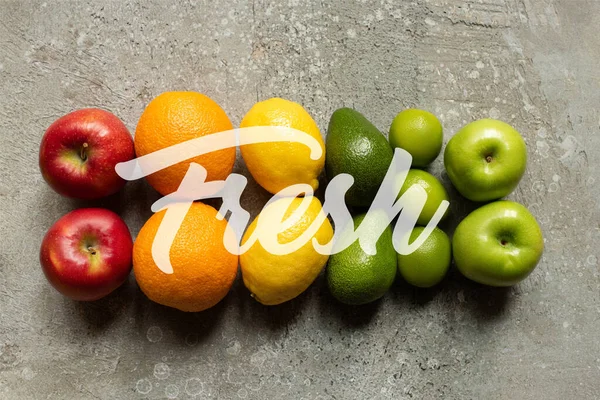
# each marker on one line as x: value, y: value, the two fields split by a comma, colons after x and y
x: 498, y: 244
x: 485, y: 160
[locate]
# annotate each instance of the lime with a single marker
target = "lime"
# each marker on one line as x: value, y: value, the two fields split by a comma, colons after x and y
x: 420, y: 133
x: 427, y: 265
x: 434, y: 189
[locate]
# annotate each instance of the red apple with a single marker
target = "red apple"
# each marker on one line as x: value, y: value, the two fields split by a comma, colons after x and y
x: 86, y: 254
x: 79, y: 152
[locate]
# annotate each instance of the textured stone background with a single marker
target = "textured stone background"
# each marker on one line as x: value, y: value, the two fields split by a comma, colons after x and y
x: 532, y: 63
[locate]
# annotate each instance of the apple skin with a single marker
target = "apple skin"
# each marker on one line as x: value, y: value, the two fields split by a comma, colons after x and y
x: 86, y: 254
x: 485, y: 160
x: 79, y: 151
x: 498, y: 244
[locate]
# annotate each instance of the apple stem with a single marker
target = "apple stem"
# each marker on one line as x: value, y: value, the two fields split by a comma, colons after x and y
x: 489, y: 159
x: 92, y: 250
x: 83, y: 152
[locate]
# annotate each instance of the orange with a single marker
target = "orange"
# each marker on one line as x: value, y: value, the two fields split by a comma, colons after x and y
x: 175, y: 117
x: 203, y: 270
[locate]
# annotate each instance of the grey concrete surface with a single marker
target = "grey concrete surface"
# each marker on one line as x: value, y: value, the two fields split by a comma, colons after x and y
x: 532, y: 63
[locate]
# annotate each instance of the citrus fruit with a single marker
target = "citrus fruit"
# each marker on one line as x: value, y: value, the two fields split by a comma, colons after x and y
x: 273, y: 279
x: 175, y: 117
x: 426, y: 266
x: 277, y: 165
x: 420, y: 133
x: 436, y: 193
x: 203, y: 270
x: 355, y: 277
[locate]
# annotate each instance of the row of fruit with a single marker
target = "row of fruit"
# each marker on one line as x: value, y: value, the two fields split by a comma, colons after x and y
x: 89, y: 252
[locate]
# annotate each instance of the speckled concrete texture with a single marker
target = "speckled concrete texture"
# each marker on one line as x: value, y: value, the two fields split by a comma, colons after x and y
x: 531, y: 63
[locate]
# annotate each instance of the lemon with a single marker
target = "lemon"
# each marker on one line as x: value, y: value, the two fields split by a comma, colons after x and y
x: 273, y: 279
x: 277, y: 165
x: 420, y: 133
x: 427, y: 265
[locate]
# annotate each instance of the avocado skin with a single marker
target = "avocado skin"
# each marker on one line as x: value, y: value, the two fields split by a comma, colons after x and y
x: 355, y: 146
x: 355, y: 277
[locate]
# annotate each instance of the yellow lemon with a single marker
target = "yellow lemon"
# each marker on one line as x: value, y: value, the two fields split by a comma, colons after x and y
x: 271, y: 278
x: 277, y: 165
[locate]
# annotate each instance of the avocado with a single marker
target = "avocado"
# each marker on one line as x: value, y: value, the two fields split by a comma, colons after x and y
x: 355, y: 277
x: 355, y: 146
